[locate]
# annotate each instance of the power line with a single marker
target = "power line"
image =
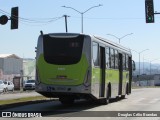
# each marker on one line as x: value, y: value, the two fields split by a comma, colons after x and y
x: 4, y: 12
x: 39, y: 24
x: 43, y: 20
x: 33, y: 21
x: 109, y: 18
x: 39, y: 21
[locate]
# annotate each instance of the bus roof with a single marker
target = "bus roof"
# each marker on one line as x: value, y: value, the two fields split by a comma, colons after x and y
x: 97, y: 38
x: 113, y: 44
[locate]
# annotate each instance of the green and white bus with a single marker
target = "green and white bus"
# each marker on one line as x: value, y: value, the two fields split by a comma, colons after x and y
x: 72, y: 66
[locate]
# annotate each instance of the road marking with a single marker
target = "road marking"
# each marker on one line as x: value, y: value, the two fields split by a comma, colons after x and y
x: 151, y: 101
x: 154, y: 100
x: 139, y: 100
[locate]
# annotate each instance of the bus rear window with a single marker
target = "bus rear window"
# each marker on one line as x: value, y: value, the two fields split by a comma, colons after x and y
x: 62, y: 51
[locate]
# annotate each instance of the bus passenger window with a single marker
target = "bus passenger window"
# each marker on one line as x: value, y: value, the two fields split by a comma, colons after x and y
x: 108, y: 57
x: 127, y: 62
x: 112, y: 56
x: 124, y: 61
x: 116, y: 59
x: 95, y: 54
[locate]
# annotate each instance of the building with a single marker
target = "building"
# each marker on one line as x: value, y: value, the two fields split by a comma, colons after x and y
x: 147, y: 80
x: 10, y: 65
x: 28, y: 68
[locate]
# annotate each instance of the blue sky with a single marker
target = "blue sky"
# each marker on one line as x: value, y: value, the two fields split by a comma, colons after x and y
x: 117, y: 17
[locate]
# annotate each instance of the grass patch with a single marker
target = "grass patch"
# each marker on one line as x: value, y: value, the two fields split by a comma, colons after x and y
x: 25, y: 99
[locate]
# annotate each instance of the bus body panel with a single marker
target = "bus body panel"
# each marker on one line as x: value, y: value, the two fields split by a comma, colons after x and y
x: 74, y: 78
x: 62, y: 74
x: 112, y: 76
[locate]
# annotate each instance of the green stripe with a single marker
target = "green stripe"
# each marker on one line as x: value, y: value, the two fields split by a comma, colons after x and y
x: 112, y: 76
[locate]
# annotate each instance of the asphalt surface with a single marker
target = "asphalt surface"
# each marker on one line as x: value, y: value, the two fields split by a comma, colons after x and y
x: 141, y: 100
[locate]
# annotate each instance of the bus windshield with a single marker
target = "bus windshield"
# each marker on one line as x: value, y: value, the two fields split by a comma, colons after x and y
x: 62, y: 51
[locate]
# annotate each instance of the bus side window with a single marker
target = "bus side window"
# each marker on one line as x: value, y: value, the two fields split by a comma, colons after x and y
x: 124, y: 61
x: 108, y: 57
x: 127, y: 62
x: 112, y: 56
x: 116, y: 59
x: 95, y: 54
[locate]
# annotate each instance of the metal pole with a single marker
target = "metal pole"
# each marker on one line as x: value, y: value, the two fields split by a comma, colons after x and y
x: 119, y: 38
x: 82, y: 12
x: 143, y: 65
x: 139, y: 69
x: 82, y: 21
x: 66, y: 23
x: 150, y: 67
x: 139, y: 65
x: 151, y: 64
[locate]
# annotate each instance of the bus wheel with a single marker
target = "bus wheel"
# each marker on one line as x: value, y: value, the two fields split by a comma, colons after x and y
x: 105, y: 101
x: 66, y: 100
x: 124, y: 96
x: 108, y: 95
x: 127, y: 89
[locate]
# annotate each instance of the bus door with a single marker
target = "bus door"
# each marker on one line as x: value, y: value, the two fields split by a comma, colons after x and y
x: 102, y: 73
x: 130, y: 74
x: 120, y: 73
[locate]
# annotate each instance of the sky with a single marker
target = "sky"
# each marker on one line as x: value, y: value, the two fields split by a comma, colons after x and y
x: 116, y: 17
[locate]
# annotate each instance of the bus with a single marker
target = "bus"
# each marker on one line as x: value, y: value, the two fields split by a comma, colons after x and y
x: 72, y: 66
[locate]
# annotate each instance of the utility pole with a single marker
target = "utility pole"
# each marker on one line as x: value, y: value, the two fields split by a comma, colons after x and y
x: 65, y: 16
x: 82, y: 13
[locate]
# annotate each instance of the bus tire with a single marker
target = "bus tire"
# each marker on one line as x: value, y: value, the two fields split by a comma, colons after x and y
x: 108, y: 94
x: 127, y: 89
x: 105, y: 101
x: 66, y: 100
x: 123, y: 96
x: 126, y: 93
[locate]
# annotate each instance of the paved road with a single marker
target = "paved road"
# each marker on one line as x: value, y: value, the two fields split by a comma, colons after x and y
x: 144, y: 99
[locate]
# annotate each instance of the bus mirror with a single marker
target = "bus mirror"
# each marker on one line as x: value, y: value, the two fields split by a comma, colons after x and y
x: 133, y: 66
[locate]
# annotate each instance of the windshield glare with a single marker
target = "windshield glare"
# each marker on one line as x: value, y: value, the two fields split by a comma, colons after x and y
x: 30, y: 81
